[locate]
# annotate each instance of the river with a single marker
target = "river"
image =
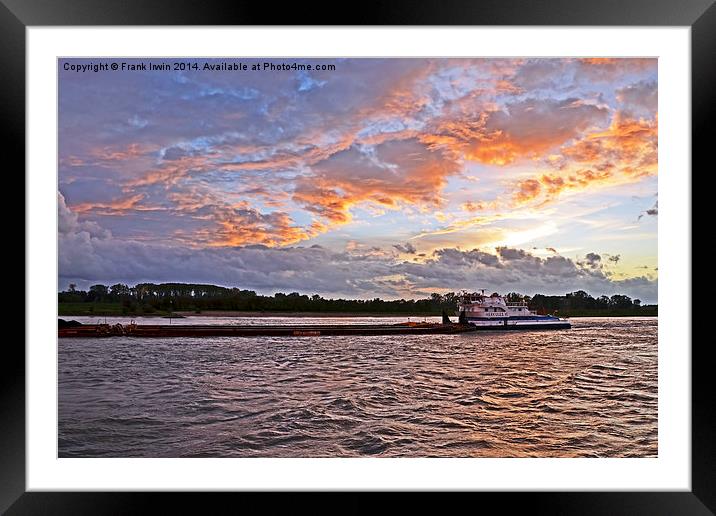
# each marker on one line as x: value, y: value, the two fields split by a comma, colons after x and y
x: 586, y: 392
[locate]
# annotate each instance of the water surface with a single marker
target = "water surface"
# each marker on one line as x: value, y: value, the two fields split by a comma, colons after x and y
x: 586, y: 392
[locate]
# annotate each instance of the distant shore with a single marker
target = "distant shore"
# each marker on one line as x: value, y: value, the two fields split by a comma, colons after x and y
x: 187, y: 299
x: 236, y: 313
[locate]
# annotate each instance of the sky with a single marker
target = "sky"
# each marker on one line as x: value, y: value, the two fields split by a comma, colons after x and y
x: 390, y: 178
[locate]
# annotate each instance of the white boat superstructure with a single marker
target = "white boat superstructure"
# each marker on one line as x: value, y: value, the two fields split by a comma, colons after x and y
x: 495, y: 313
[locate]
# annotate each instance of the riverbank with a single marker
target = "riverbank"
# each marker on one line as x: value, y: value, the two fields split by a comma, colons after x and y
x: 236, y: 313
x: 111, y: 311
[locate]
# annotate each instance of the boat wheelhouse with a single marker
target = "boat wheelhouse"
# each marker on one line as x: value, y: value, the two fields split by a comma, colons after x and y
x: 495, y: 313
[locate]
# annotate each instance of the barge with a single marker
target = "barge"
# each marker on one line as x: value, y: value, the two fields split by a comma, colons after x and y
x: 229, y: 330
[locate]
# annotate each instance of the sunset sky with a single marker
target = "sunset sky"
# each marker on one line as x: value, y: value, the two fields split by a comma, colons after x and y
x: 382, y: 178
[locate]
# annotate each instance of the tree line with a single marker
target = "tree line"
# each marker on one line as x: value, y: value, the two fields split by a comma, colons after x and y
x: 148, y: 298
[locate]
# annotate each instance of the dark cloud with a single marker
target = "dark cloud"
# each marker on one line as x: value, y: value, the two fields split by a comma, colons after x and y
x: 591, y: 261
x: 461, y: 258
x: 408, y: 248
x: 173, y: 153
x: 653, y: 211
x: 641, y: 97
x: 539, y: 124
x: 508, y: 253
x: 537, y: 74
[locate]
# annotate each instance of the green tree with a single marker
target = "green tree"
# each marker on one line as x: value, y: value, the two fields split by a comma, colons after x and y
x: 97, y: 292
x: 620, y: 301
x: 119, y: 291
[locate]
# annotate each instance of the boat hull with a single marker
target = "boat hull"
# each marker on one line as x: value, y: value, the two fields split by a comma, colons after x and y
x: 520, y: 324
x: 521, y: 327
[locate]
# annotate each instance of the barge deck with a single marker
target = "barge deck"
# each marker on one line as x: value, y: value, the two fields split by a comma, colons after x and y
x: 228, y: 330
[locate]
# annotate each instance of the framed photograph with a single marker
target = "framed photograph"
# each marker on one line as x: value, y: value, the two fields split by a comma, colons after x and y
x: 432, y: 250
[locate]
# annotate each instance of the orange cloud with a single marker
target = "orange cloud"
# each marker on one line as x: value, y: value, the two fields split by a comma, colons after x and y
x: 623, y: 153
x: 525, y: 129
x: 131, y: 151
x: 115, y: 207
x: 170, y: 172
x: 394, y: 173
x: 548, y: 187
x: 628, y: 144
x: 527, y: 190
x: 245, y: 227
x: 475, y: 206
x: 326, y: 202
x: 272, y: 198
x: 109, y: 155
x: 609, y: 68
x: 235, y: 224
x: 240, y: 224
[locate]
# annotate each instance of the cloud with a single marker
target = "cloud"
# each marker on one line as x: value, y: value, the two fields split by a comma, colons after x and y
x: 408, y: 248
x: 653, y: 211
x: 214, y: 222
x: 138, y: 122
x: 243, y: 226
x: 547, y: 187
x: 624, y: 153
x: 173, y: 153
x: 538, y: 74
x: 527, y: 190
x: 172, y: 165
x: 90, y: 255
x: 388, y: 175
x: 592, y: 261
x: 465, y: 109
x: 68, y: 222
x: 628, y: 145
x: 640, y: 97
x: 117, y: 206
x: 472, y: 207
x: 509, y: 254
x: 518, y: 270
x: 605, y: 69
x: 522, y: 129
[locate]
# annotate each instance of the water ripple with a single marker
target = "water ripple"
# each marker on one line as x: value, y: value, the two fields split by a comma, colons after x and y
x: 587, y: 392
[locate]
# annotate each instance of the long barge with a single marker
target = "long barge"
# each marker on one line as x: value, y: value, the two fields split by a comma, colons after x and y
x: 228, y: 330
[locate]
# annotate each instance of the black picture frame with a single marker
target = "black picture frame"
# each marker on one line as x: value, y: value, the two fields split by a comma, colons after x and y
x: 699, y: 15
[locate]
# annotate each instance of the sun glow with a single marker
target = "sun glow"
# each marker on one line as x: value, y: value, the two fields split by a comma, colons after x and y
x: 515, y: 238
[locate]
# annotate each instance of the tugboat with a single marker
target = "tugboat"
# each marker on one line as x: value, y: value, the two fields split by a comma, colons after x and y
x: 495, y: 313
